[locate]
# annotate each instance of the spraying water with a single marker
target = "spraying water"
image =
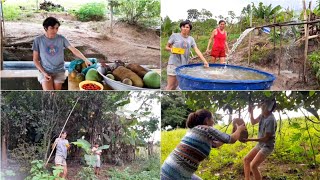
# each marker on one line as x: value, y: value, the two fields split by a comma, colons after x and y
x: 237, y: 43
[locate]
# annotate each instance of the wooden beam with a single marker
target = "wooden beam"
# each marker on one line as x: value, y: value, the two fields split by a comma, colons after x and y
x: 290, y: 23
x: 279, y: 64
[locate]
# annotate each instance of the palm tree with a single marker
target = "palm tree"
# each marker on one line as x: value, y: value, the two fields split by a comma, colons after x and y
x: 265, y: 12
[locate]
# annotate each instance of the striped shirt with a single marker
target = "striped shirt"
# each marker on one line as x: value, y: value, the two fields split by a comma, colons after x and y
x: 194, y: 147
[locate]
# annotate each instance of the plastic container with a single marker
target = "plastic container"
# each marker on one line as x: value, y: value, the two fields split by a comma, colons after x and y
x: 187, y: 82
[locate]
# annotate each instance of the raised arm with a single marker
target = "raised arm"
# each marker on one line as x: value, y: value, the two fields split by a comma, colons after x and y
x: 252, y: 119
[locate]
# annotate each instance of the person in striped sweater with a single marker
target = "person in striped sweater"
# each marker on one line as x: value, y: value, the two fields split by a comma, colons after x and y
x: 195, y: 146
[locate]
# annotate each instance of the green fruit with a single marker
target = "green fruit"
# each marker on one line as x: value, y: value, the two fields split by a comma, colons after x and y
x: 79, y: 77
x: 110, y: 76
x: 152, y: 79
x: 93, y: 75
x: 127, y: 81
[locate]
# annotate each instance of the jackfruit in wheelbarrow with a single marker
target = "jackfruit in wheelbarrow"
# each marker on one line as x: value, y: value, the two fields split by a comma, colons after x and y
x: 137, y: 69
x: 121, y: 73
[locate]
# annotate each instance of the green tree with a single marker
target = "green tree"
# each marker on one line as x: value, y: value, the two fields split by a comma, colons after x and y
x: 266, y: 12
x: 193, y: 14
x: 142, y: 12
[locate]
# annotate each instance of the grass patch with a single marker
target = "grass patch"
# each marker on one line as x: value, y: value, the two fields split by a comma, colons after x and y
x: 141, y: 169
x: 11, y: 12
x: 227, y: 160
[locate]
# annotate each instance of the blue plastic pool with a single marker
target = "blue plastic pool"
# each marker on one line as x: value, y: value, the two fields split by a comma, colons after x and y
x: 187, y: 82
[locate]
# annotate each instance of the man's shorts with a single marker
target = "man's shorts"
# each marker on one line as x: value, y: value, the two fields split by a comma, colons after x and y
x: 265, y: 150
x: 59, y: 160
x: 171, y: 70
x: 217, y: 53
x: 57, y: 77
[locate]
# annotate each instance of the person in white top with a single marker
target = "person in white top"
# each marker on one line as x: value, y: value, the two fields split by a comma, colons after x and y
x: 98, y: 154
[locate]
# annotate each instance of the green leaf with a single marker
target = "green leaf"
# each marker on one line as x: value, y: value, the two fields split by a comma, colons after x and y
x: 296, y: 137
x: 311, y: 93
x: 267, y: 93
x: 90, y: 159
x: 103, y: 147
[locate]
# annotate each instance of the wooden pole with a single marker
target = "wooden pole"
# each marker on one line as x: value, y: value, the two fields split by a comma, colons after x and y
x: 306, y: 34
x: 279, y: 65
x: 249, y: 52
x: 55, y: 144
x: 274, y: 36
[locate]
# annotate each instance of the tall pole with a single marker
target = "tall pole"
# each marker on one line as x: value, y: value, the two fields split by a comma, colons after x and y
x: 249, y: 52
x: 306, y: 35
x: 55, y: 144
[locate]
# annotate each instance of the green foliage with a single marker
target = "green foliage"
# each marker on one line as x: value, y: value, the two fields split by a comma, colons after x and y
x: 142, y: 12
x: 86, y: 173
x: 315, y: 63
x: 91, y: 12
x: 292, y: 148
x: 265, y: 12
x: 11, y: 12
x: 38, y: 171
x: 89, y: 157
x: 174, y: 110
x: 144, y: 169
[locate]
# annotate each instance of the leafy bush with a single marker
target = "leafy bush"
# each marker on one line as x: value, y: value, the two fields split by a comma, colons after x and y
x: 315, y: 63
x: 91, y: 12
x: 11, y: 12
x: 142, y: 12
x: 49, y: 6
x: 38, y: 171
x: 150, y: 170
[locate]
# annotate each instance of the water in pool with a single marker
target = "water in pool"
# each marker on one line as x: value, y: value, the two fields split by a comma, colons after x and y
x: 222, y: 73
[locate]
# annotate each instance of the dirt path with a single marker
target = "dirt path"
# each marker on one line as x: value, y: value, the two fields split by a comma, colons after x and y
x: 128, y: 43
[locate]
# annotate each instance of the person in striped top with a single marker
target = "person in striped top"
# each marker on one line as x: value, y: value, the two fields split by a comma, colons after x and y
x: 195, y: 146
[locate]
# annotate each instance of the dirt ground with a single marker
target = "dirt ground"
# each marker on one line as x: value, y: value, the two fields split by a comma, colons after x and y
x: 128, y: 43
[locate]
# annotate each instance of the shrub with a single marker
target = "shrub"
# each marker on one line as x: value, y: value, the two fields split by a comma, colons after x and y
x: 91, y: 12
x: 11, y: 12
x: 315, y: 63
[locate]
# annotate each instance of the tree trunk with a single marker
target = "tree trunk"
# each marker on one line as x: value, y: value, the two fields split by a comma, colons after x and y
x: 4, y: 156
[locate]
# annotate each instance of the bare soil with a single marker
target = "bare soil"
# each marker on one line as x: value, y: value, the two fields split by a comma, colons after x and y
x: 128, y: 43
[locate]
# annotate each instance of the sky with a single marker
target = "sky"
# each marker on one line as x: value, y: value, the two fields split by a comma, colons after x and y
x: 177, y: 9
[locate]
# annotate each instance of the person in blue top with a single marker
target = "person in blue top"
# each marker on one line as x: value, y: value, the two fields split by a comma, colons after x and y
x: 48, y: 55
x: 266, y: 138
